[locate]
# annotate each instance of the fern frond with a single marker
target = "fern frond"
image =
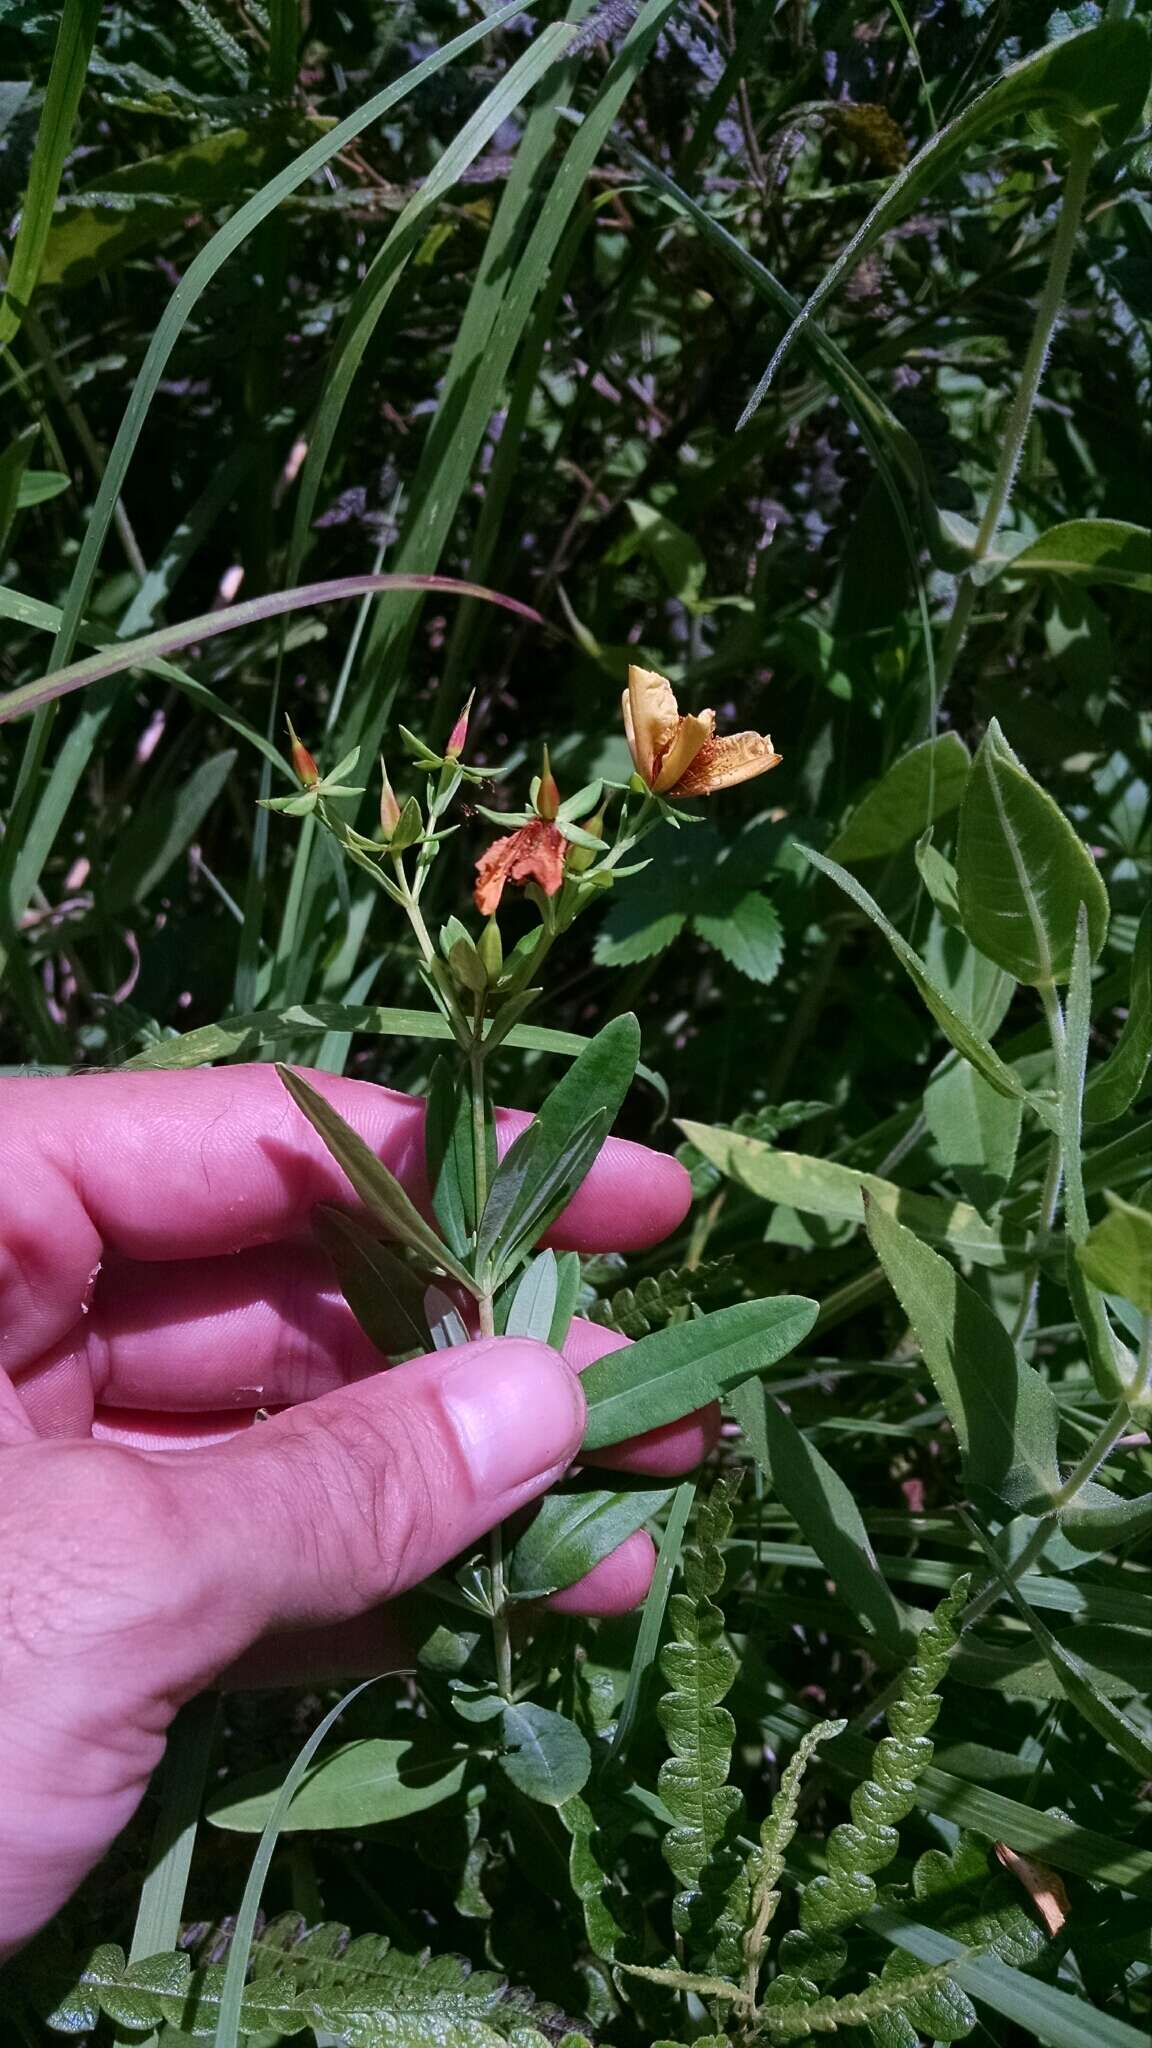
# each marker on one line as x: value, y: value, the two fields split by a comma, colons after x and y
x: 931, y: 1990
x: 710, y: 1911
x: 766, y: 1864
x: 361, y: 1989
x: 870, y: 1840
x: 635, y: 1312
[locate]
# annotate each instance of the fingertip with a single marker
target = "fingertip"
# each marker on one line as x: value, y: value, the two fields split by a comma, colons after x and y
x: 631, y: 1199
x: 614, y: 1586
x: 671, y: 1451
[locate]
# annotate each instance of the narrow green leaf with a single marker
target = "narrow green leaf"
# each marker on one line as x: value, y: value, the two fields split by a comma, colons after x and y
x: 378, y: 1189
x: 1002, y: 1411
x: 532, y: 1308
x: 1022, y: 873
x: 160, y: 830
x: 1114, y: 1086
x: 384, y: 1294
x: 956, y: 1028
x: 822, y: 1187
x: 825, y: 1510
x: 234, y: 1036
x: 922, y: 785
x: 545, y: 1755
x: 668, y: 1374
x: 574, y: 1532
x: 1100, y: 1520
x: 449, y: 1149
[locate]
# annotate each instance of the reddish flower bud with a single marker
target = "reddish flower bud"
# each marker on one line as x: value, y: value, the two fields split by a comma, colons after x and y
x: 459, y: 733
x: 547, y: 795
x: 302, y: 761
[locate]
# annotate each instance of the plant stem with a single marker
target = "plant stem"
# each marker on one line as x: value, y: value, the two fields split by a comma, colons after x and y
x: 1049, y: 1198
x: 501, y: 1632
x: 1016, y: 427
x: 1095, y: 1455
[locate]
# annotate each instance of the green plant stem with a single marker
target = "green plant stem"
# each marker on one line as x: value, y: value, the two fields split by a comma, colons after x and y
x: 1049, y: 1199
x: 1095, y: 1455
x: 1020, y: 414
x: 501, y: 1631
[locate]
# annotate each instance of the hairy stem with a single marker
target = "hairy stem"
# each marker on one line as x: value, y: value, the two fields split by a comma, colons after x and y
x: 1020, y: 414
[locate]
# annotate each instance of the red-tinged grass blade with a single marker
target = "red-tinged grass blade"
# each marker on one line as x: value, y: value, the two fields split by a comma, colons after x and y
x: 125, y: 654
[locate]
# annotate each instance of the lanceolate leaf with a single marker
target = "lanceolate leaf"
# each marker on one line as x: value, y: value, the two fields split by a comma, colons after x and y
x: 955, y: 1027
x: 356, y: 1786
x: 574, y: 1532
x: 826, y: 1512
x: 1022, y: 872
x: 976, y: 1129
x: 384, y: 1294
x: 673, y: 1371
x: 1089, y: 551
x: 921, y: 786
x: 1002, y: 1411
x: 822, y: 1187
x: 378, y: 1189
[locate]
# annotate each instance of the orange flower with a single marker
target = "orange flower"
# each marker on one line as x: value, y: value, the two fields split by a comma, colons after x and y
x: 533, y: 854
x: 677, y: 753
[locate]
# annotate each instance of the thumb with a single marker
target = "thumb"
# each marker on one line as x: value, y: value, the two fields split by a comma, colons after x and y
x: 346, y: 1500
x: 133, y: 1579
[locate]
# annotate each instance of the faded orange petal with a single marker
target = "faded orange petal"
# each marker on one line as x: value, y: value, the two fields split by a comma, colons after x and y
x: 533, y: 854
x: 692, y: 734
x: 721, y: 763
x: 651, y: 718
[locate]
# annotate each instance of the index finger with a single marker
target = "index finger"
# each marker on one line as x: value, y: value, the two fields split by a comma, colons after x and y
x: 198, y: 1164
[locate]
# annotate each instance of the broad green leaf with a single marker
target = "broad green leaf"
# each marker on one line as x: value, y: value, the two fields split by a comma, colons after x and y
x: 1098, y: 1519
x: 825, y: 1510
x: 574, y: 1532
x: 673, y: 1371
x: 747, y: 933
x: 142, y: 200
x: 359, y: 1785
x: 1100, y: 76
x: 1117, y: 1254
x: 384, y: 1294
x: 976, y: 1129
x: 1112, y: 1088
x: 1090, y: 551
x: 1002, y: 1411
x: 1022, y: 872
x: 955, y: 1026
x: 922, y: 785
x: 822, y: 1187
x: 78, y: 22
x: 636, y: 933
x: 377, y: 1188
x: 545, y: 1755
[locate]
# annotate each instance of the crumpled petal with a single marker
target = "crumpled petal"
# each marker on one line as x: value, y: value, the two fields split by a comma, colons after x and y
x: 651, y: 717
x: 692, y: 735
x: 721, y: 763
x: 535, y: 853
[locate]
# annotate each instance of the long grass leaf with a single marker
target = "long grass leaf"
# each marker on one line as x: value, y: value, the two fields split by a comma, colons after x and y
x: 53, y: 141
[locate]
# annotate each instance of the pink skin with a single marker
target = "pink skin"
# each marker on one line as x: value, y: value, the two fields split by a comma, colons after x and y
x: 157, y: 1286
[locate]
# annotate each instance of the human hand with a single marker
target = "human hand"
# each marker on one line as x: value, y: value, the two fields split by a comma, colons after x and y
x: 158, y: 1286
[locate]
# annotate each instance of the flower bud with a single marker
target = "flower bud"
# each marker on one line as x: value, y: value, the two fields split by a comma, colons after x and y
x: 491, y: 950
x: 389, y: 807
x: 580, y: 858
x: 459, y: 733
x: 302, y: 761
x: 547, y: 794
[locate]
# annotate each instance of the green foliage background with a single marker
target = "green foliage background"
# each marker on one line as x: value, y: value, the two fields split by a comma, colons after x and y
x: 507, y: 330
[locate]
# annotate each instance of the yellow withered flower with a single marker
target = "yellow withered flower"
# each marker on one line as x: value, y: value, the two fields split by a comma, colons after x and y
x: 677, y: 753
